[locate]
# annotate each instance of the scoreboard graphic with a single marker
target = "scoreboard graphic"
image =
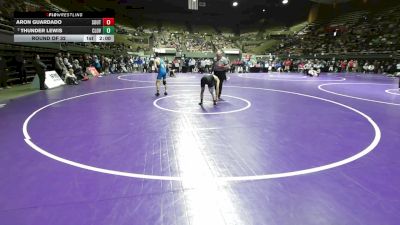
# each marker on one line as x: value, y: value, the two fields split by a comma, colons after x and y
x: 63, y: 27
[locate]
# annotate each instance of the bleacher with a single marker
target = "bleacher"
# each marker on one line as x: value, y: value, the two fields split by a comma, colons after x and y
x: 203, y: 29
x: 303, y: 38
x: 46, y: 5
x: 348, y: 19
x: 47, y: 51
x: 5, y: 25
x: 9, y: 52
x: 173, y: 27
x: 360, y: 33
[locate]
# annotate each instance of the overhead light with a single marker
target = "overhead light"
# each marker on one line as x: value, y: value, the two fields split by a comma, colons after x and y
x: 264, y: 10
x: 234, y: 4
x: 194, y: 0
x: 285, y: 2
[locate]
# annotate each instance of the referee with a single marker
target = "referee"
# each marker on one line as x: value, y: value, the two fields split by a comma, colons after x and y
x: 221, y: 65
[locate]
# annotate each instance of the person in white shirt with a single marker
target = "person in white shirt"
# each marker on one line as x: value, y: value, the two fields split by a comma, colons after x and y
x: 67, y: 62
x: 202, y: 65
x: 398, y: 71
x: 314, y: 70
x: 371, y: 68
x: 192, y: 64
x: 365, y: 67
x: 398, y: 68
x: 70, y: 77
x: 307, y: 67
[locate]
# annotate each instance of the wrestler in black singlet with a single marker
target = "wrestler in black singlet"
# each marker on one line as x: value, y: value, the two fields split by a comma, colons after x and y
x: 209, y: 80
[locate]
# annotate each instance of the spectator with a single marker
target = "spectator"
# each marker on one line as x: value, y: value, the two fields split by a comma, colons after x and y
x: 40, y: 68
x: 3, y: 73
x: 70, y: 77
x: 68, y: 61
x: 79, y: 73
x: 59, y: 65
x: 21, y: 67
x: 96, y: 64
x: 288, y: 64
x: 192, y: 64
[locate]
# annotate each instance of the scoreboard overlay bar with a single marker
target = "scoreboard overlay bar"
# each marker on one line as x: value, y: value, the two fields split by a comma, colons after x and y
x: 63, y: 38
x: 26, y: 22
x: 63, y: 27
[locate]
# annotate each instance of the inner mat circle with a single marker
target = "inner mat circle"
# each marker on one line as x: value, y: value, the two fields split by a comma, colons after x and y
x: 187, y: 103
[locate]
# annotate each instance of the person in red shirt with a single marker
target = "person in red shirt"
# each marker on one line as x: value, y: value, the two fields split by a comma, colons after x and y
x: 350, y: 66
x: 300, y: 67
x: 343, y: 66
x: 287, y: 63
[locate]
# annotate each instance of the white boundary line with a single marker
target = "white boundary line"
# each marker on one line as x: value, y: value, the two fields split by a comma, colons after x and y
x: 362, y: 153
x: 320, y: 87
x: 389, y: 91
x: 298, y: 79
x: 248, y: 105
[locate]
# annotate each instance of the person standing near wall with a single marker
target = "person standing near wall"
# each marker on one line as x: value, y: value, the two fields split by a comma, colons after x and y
x: 40, y: 68
x: 21, y: 67
x: 3, y: 73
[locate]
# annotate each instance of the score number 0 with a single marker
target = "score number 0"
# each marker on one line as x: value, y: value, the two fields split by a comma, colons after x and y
x: 108, y: 21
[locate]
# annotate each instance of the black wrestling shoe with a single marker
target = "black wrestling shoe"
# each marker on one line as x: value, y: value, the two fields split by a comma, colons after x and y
x: 165, y: 93
x: 200, y: 103
x: 157, y: 94
x: 215, y: 102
